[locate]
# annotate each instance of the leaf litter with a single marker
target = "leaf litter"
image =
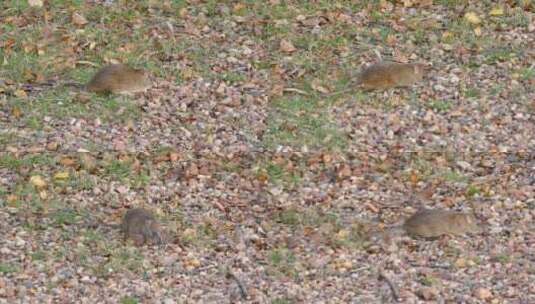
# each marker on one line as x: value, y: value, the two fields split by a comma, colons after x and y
x: 261, y: 205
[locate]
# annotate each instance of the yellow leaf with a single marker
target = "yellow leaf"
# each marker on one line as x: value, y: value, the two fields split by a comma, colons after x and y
x: 16, y: 112
x: 20, y: 93
x: 447, y: 35
x: 62, y: 175
x: 238, y: 7
x: 38, y: 181
x: 12, y: 198
x: 472, y: 18
x: 497, y: 11
x: 477, y: 31
x: 460, y: 263
x: 343, y: 234
x: 43, y: 194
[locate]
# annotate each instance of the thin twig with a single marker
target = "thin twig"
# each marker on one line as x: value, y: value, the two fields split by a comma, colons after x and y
x: 440, y: 266
x: 243, y: 291
x: 294, y: 90
x: 393, y: 288
x: 85, y: 62
x: 378, y: 55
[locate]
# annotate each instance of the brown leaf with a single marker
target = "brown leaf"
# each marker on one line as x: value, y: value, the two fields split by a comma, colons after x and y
x: 78, y: 19
x: 414, y: 178
x: 344, y: 171
x: 428, y: 293
x: 88, y: 162
x: 287, y: 46
x: 52, y: 146
x: 192, y: 171
x: 316, y: 85
x: 483, y: 293
x: 67, y: 161
x: 12, y: 199
x: 16, y: 112
x: 174, y: 156
x: 82, y: 98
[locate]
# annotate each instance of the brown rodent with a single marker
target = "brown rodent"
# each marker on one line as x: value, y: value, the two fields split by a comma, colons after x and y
x: 430, y: 223
x: 385, y: 75
x: 141, y: 227
x: 118, y: 79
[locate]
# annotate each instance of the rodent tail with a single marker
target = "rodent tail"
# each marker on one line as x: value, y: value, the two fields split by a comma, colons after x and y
x: 395, y: 231
x: 352, y: 86
x: 73, y: 84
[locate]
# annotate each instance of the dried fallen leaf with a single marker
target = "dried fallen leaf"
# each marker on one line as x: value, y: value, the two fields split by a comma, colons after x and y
x: 287, y: 46
x: 173, y: 156
x: 38, y: 182
x: 67, y: 161
x: 482, y: 293
x: 344, y: 171
x: 82, y: 98
x: 472, y: 18
x: 20, y: 93
x: 52, y: 146
x: 497, y: 11
x: 428, y: 293
x: 78, y: 19
x: 460, y: 263
x: 12, y: 198
x: 414, y: 178
x: 16, y: 112
x: 316, y: 85
x: 43, y: 194
x: 192, y: 262
x: 62, y: 175
x: 35, y: 3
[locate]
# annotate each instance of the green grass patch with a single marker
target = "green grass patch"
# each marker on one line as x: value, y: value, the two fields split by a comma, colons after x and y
x: 12, y: 162
x: 65, y: 216
x: 63, y: 104
x: 527, y: 73
x: 123, y: 170
x: 6, y: 268
x: 499, y: 54
x: 282, y: 301
x: 283, y: 261
x: 129, y: 300
x: 452, y: 176
x: 121, y: 259
x: 439, y: 105
x: 38, y: 256
x: 300, y: 121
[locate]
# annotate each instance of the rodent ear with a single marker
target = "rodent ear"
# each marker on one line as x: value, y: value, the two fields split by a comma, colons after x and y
x: 423, y: 68
x: 148, y: 226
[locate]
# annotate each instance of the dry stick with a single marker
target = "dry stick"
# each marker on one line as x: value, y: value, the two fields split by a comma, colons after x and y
x: 440, y: 266
x: 231, y: 275
x: 85, y: 62
x: 393, y: 289
x: 378, y: 54
x: 294, y: 90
